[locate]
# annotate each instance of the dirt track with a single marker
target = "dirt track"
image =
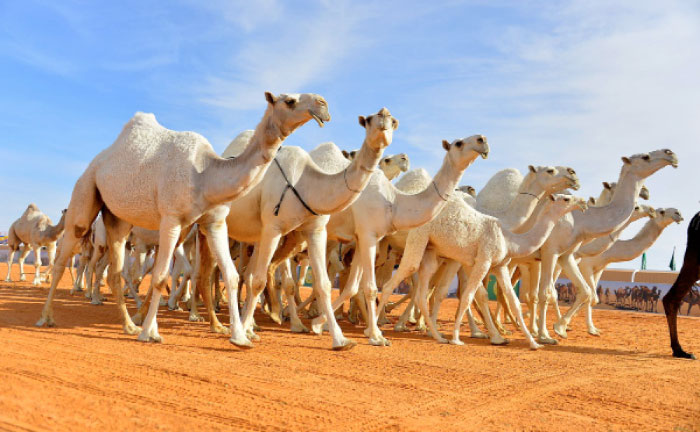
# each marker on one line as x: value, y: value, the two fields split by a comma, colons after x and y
x: 86, y: 374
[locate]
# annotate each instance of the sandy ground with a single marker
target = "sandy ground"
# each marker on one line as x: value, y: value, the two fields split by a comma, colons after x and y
x: 87, y: 375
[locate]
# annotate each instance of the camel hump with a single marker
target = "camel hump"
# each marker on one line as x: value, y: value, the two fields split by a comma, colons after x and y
x: 32, y: 207
x: 328, y: 157
x: 238, y: 144
x: 142, y: 117
x: 500, y: 190
x: 413, y: 181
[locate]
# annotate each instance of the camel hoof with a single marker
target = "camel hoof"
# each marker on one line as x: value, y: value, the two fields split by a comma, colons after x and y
x: 353, y: 319
x: 96, y: 302
x: 274, y: 316
x: 8, y: 279
x: 456, y: 342
x: 479, y: 335
x: 560, y: 329
x: 546, y: 340
x: 422, y: 328
x: 88, y: 295
x: 37, y: 282
x: 400, y: 328
x: 442, y: 340
x: 500, y: 342
x: 378, y: 341
x: 132, y: 329
x: 143, y: 337
x: 684, y: 355
x: 594, y: 332
x: 196, y: 318
x: 22, y: 278
x: 241, y: 342
x: 383, y: 321
x: 137, y: 318
x: 250, y: 334
x: 219, y: 329
x: 75, y: 291
x: 175, y: 308
x: 535, y: 346
x: 317, y: 326
x: 347, y: 345
x: 299, y: 328
x: 46, y: 322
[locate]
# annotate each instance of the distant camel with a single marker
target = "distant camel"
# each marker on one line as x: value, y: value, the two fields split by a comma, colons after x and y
x: 687, y: 277
x: 693, y: 298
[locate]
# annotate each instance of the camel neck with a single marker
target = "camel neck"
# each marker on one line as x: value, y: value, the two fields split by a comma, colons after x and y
x: 410, y: 211
x: 523, y: 205
x: 626, y: 250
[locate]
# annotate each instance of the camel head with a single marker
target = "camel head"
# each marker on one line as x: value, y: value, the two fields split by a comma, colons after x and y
x: 643, y: 210
x: 379, y: 128
x: 469, y: 190
x: 567, y: 203
x: 396, y: 163
x: 645, y: 164
x: 666, y: 216
x: 462, y: 152
x: 350, y: 155
x: 289, y: 111
x: 555, y: 179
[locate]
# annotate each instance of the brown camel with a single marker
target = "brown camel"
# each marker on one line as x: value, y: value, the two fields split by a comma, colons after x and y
x: 687, y: 277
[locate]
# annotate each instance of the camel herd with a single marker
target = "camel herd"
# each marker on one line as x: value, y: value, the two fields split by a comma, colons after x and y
x: 256, y: 218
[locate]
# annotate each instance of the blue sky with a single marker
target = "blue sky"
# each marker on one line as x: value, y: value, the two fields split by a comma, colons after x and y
x: 550, y: 83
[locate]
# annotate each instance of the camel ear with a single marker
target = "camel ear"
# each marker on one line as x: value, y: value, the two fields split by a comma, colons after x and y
x: 551, y: 197
x: 363, y: 122
x: 626, y: 160
x: 532, y: 169
x: 394, y: 123
x: 346, y: 155
x: 606, y: 185
x: 445, y: 145
x: 270, y: 98
x: 591, y: 201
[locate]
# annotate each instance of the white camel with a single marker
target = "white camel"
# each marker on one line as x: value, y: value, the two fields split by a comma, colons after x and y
x: 480, y: 244
x: 162, y: 179
x: 383, y: 209
x: 626, y: 250
x: 33, y: 230
x: 393, y: 166
x: 298, y: 195
x: 577, y: 228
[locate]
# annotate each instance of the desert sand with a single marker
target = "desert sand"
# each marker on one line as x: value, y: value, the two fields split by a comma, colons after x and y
x: 86, y: 375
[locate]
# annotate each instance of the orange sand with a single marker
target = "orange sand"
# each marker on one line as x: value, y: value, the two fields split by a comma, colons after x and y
x: 85, y: 374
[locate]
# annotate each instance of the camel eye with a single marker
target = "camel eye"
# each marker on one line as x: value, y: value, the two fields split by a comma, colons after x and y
x: 290, y: 103
x: 387, y: 160
x: 550, y: 171
x: 646, y: 157
x: 458, y: 144
x: 571, y: 171
x: 567, y: 199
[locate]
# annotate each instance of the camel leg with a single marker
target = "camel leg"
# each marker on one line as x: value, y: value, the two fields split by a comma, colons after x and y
x: 97, y: 254
x: 409, y: 314
x: 316, y: 241
x: 51, y: 252
x: 209, y: 238
x: 477, y: 274
x: 583, y: 296
x: 117, y: 232
x: 22, y: 258
x: 673, y: 299
x: 10, y: 258
x: 288, y: 284
x: 350, y: 290
x: 169, y: 235
x: 427, y: 269
x: 513, y: 303
x: 534, y: 270
x: 80, y: 274
x: 184, y: 264
x: 481, y: 298
x: 96, y: 296
x: 37, y: 265
x: 548, y: 262
x: 443, y: 285
x: 257, y: 278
